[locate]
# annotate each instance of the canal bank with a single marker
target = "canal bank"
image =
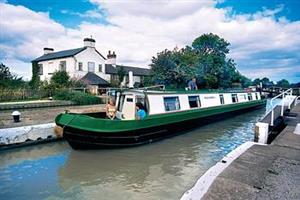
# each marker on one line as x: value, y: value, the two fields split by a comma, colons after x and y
x: 261, y: 172
x: 36, y: 126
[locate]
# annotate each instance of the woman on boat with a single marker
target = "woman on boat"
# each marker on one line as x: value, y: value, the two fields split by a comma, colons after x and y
x: 140, y: 111
x: 110, y: 109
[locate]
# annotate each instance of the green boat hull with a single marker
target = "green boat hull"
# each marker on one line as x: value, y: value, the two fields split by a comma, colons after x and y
x: 86, y: 132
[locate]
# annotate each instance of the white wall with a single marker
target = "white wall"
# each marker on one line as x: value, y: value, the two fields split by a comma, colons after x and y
x: 49, y: 67
x: 208, y: 100
x: 90, y: 55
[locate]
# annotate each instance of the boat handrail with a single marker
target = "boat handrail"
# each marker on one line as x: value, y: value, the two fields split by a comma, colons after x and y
x: 163, y: 87
x: 283, y: 94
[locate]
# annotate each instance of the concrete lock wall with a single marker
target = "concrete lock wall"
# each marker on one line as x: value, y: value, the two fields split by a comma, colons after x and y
x: 24, y: 134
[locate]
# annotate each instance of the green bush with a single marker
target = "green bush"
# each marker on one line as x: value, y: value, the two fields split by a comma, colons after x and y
x: 79, y: 98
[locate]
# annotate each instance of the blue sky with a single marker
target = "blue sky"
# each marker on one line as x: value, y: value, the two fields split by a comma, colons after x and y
x: 264, y: 35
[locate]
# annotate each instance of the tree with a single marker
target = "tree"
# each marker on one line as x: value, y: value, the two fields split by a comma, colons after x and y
x: 205, y: 59
x: 217, y: 70
x: 173, y: 68
x: 283, y: 83
x: 8, y: 80
x: 256, y: 82
x: 60, y: 79
x: 121, y: 74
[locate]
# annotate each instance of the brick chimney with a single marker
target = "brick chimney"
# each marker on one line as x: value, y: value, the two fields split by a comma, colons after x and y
x: 111, y: 58
x: 48, y: 50
x: 89, y: 42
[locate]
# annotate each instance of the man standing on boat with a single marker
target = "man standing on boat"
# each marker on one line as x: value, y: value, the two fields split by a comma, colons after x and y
x: 192, y: 84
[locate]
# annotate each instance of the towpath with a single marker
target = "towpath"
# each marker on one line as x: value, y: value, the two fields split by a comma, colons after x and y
x: 42, y: 115
x: 264, y: 171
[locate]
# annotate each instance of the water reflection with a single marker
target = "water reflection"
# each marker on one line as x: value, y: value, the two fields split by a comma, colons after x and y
x: 162, y: 170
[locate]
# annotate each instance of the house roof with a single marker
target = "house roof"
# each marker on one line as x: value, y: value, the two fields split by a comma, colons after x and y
x: 93, y: 79
x: 59, y: 54
x: 62, y: 54
x: 110, y: 69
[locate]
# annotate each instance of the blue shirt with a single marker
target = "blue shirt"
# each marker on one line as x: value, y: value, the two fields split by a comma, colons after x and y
x: 141, y: 114
x: 192, y: 85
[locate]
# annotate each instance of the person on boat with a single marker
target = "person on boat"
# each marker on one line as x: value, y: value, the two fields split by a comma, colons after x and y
x: 192, y: 85
x: 140, y: 111
x: 110, y: 109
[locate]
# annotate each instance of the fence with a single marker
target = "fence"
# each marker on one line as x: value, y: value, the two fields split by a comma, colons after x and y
x: 22, y: 94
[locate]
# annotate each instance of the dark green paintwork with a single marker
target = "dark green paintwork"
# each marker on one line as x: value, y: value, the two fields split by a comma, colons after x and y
x: 88, y: 123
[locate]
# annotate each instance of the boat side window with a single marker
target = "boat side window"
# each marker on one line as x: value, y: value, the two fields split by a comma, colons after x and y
x: 171, y: 103
x: 194, y: 102
x: 256, y: 96
x: 222, y: 98
x: 129, y: 99
x: 234, y: 98
x: 249, y: 96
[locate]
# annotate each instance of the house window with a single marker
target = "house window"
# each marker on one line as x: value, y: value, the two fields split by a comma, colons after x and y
x: 80, y: 66
x: 222, y: 98
x: 100, y: 68
x: 194, y: 102
x: 234, y: 98
x: 40, y: 69
x: 91, y: 66
x: 62, y: 66
x: 171, y: 103
x: 249, y: 96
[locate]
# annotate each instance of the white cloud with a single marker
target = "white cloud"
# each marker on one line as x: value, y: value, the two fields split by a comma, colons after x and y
x: 140, y: 29
x: 94, y: 14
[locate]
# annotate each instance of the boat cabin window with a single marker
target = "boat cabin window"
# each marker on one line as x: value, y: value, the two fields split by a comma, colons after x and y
x: 194, y: 102
x: 129, y: 99
x: 249, y: 96
x: 234, y: 98
x: 256, y: 96
x: 171, y: 103
x: 121, y: 102
x: 222, y: 98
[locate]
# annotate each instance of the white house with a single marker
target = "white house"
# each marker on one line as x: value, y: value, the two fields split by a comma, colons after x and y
x: 85, y: 63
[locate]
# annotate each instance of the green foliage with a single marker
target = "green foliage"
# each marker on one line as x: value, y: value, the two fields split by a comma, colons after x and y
x: 60, y: 79
x: 266, y: 82
x: 8, y: 80
x: 35, y: 79
x: 283, y: 83
x: 173, y: 68
x: 121, y: 74
x: 206, y: 60
x: 79, y: 98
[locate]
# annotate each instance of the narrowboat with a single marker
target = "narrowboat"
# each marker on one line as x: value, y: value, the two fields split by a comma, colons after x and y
x: 168, y: 113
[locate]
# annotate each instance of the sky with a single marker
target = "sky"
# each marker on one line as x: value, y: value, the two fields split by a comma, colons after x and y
x: 264, y: 35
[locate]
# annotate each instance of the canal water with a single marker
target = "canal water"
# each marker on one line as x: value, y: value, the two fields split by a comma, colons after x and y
x: 162, y: 170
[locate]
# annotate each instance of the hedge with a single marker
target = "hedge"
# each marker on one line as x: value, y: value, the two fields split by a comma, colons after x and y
x: 79, y: 98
